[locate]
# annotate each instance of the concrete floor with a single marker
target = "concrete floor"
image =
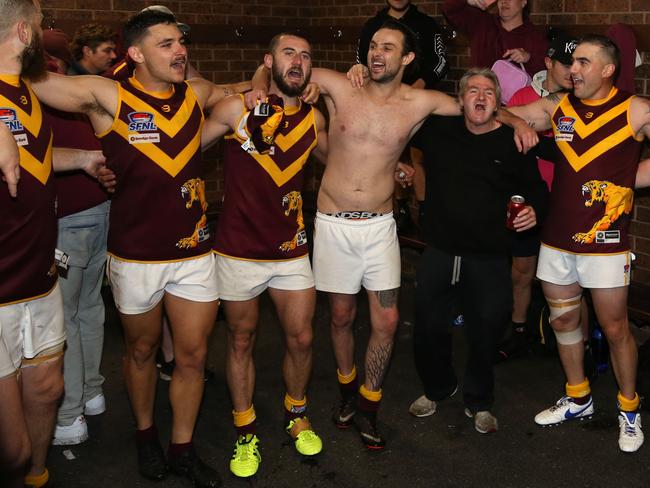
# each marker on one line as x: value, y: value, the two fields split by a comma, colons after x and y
x: 442, y: 451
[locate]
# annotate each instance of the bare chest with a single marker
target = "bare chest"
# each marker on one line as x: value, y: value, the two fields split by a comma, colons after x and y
x: 365, y: 123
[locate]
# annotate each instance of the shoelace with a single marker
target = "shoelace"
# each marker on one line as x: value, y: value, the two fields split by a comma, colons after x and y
x: 561, y: 403
x: 247, y: 448
x: 630, y: 428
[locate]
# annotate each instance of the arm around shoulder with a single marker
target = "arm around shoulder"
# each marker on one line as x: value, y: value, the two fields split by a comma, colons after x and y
x: 640, y: 116
x: 84, y: 94
x: 439, y: 103
x: 320, y: 151
x: 222, y: 119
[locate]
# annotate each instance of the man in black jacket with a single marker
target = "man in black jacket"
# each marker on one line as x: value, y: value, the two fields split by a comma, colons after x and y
x: 432, y: 60
x: 472, y: 170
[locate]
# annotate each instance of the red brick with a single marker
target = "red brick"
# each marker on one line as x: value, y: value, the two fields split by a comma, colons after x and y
x: 579, y: 5
x: 90, y: 4
x: 593, y: 19
x: 640, y: 5
x: 561, y: 19
x: 546, y: 6
x: 641, y: 213
x: 612, y: 6
x: 626, y: 18
x: 640, y: 229
x: 129, y: 5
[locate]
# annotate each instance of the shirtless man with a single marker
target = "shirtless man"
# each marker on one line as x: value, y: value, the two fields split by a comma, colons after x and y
x: 599, y: 131
x: 355, y: 241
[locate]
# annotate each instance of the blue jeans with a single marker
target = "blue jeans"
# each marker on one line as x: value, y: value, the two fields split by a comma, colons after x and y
x: 83, y: 237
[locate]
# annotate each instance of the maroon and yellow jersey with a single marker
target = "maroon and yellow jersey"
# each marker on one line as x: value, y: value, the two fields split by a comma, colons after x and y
x: 158, y: 211
x: 593, y: 188
x: 27, y: 222
x: 262, y: 208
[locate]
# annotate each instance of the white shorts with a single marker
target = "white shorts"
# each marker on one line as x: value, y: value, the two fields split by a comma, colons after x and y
x: 29, y: 328
x: 239, y: 280
x: 352, y: 253
x: 588, y: 270
x: 138, y: 287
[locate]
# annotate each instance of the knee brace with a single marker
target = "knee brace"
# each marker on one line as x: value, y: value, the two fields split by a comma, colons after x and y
x: 48, y: 355
x: 559, y: 307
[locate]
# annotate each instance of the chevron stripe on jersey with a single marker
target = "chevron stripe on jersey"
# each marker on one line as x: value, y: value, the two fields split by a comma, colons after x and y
x: 25, y: 120
x: 261, y: 218
x: 293, y: 144
x: 170, y: 120
x: 158, y: 212
x: 28, y: 229
x: 592, y: 195
x: 586, y: 133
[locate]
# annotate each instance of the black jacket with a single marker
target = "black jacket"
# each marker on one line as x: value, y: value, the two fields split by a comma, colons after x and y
x: 469, y: 180
x: 431, y: 58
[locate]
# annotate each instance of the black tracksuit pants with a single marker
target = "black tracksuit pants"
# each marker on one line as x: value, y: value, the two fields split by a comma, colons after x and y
x: 482, y: 292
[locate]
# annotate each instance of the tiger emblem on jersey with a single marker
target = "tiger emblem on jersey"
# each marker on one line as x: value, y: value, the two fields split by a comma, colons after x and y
x: 194, y: 191
x: 293, y: 201
x: 617, y: 199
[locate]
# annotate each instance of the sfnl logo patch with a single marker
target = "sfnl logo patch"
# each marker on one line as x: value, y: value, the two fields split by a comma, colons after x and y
x: 142, y: 128
x: 565, y: 129
x: 10, y: 119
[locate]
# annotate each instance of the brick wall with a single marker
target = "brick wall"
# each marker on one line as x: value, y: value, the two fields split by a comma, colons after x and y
x: 235, y: 60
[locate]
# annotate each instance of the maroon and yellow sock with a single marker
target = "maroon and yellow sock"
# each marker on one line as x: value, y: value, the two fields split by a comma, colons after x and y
x: 245, y: 421
x: 580, y: 393
x: 348, y: 383
x: 294, y: 409
x: 37, y: 480
x: 627, y: 405
x: 369, y: 400
x: 144, y: 436
x: 177, y: 449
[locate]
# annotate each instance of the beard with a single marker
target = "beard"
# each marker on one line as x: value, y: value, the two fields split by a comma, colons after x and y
x: 286, y: 88
x: 33, y: 62
x: 385, y: 77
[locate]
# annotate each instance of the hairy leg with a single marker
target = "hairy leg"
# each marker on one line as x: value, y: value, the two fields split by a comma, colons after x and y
x: 384, y: 317
x: 296, y: 310
x: 241, y: 318
x: 191, y: 324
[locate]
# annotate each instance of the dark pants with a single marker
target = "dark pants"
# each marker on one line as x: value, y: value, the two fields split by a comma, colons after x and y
x: 483, y: 294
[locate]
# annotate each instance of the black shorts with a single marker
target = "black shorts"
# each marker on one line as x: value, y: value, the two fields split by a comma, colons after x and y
x: 526, y: 244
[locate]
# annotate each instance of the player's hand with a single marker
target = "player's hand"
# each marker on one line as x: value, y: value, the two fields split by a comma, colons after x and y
x: 482, y: 4
x: 357, y: 75
x: 94, y: 161
x: 10, y: 167
x: 526, y: 219
x: 404, y: 174
x: 107, y: 179
x: 517, y: 55
x: 311, y: 93
x: 253, y: 97
x: 525, y: 137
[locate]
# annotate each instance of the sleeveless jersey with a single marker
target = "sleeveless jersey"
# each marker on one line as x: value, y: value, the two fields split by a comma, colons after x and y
x: 262, y: 216
x: 27, y: 222
x: 593, y: 188
x: 158, y: 211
